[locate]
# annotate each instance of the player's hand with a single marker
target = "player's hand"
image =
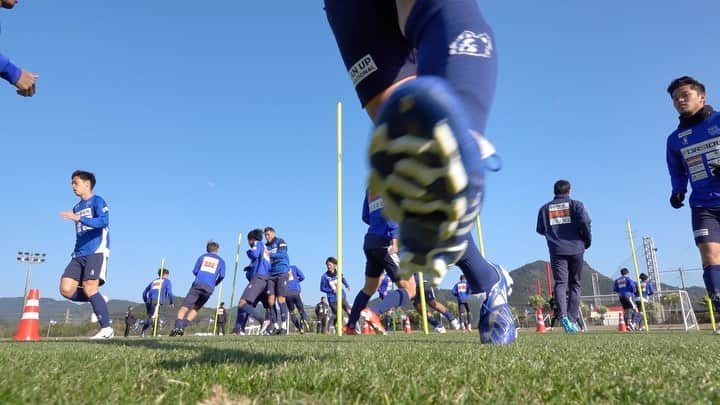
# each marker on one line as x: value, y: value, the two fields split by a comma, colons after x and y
x: 70, y: 215
x: 26, y: 83
x: 715, y: 169
x: 676, y: 200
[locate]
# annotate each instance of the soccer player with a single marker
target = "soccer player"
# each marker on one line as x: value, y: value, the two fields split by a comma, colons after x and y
x: 386, y: 285
x: 647, y: 291
x: 257, y: 273
x: 277, y: 249
x: 692, y: 154
x: 425, y: 73
x: 158, y: 292
x: 329, y: 285
x: 221, y: 317
x: 380, y: 247
x: 322, y: 312
x: 294, y: 299
x: 209, y: 271
x: 566, y: 226
x: 625, y: 288
x: 129, y: 320
x: 86, y: 272
x: 20, y: 78
x: 460, y: 291
x: 434, y: 304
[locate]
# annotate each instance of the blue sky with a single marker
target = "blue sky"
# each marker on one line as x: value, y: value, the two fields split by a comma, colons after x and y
x: 202, y: 120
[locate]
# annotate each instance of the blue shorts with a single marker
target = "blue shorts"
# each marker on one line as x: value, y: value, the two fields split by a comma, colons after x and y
x: 198, y: 295
x: 379, y: 260
x: 429, y: 294
x: 90, y: 267
x: 277, y: 284
x: 255, y: 290
x: 374, y: 50
x: 706, y: 224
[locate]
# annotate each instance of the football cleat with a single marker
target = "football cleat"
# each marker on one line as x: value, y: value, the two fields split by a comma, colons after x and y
x: 497, y: 324
x: 455, y: 324
x: 104, y: 333
x: 427, y: 165
x: 440, y: 329
x: 570, y: 326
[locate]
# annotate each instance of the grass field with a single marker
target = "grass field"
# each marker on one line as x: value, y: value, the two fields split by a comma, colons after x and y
x: 661, y: 367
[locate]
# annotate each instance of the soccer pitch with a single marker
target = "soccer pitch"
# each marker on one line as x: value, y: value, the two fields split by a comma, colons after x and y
x: 664, y: 367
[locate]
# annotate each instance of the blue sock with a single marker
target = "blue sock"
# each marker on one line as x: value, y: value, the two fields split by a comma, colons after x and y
x: 273, y: 314
x: 243, y: 321
x: 294, y: 320
x: 283, y: 313
x: 711, y: 276
x: 437, y: 29
x: 433, y: 321
x: 394, y: 299
x: 249, y: 310
x: 101, y: 310
x: 450, y: 317
x: 480, y: 274
x: 146, y: 325
x: 303, y: 315
x: 178, y: 323
x: 361, y: 301
x: 185, y: 323
x: 237, y: 316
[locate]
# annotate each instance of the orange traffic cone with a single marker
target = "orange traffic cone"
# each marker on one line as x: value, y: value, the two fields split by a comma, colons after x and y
x: 621, y: 325
x: 407, y: 327
x: 29, y: 328
x: 540, y: 323
x: 367, y: 329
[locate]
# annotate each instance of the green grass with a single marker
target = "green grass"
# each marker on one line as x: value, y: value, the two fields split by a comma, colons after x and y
x: 662, y: 367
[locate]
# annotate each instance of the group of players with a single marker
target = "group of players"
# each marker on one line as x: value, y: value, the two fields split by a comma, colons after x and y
x: 631, y: 299
x: 425, y: 74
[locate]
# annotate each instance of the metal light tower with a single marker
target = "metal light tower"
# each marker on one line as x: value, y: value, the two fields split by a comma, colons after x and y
x: 651, y: 262
x: 30, y: 258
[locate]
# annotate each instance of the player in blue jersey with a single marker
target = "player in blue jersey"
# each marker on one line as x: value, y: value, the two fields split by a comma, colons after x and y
x: 20, y: 78
x: 625, y: 288
x: 329, y: 285
x: 460, y: 291
x: 433, y: 304
x: 693, y: 154
x: 277, y: 251
x: 647, y: 290
x: 386, y: 286
x: 87, y: 270
x: 294, y: 299
x: 258, y: 274
x: 209, y: 271
x: 425, y: 72
x: 380, y: 247
x: 565, y: 224
x: 158, y: 292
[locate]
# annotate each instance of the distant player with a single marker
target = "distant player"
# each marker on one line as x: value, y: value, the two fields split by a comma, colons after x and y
x: 294, y: 299
x: 87, y: 270
x: 386, y: 285
x: 158, y: 292
x: 434, y: 304
x: 647, y: 291
x: 566, y: 226
x: 425, y: 72
x: 460, y: 291
x: 209, y: 271
x: 277, y: 250
x: 692, y: 155
x: 221, y: 316
x: 625, y: 288
x: 380, y: 247
x: 20, y: 78
x: 257, y: 273
x: 329, y: 285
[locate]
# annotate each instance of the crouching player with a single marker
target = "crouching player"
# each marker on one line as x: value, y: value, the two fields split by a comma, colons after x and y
x: 434, y: 304
x: 158, y: 292
x: 209, y: 271
x: 258, y: 273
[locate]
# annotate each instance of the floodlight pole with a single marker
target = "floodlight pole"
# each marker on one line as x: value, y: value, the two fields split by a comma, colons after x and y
x: 30, y: 258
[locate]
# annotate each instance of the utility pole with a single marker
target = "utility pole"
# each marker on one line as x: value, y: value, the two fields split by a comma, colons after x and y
x: 651, y: 262
x: 682, y: 278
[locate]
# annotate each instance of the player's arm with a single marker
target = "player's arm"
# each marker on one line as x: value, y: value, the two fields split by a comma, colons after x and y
x: 678, y: 175
x: 101, y: 218
x: 220, y: 273
x: 366, y: 210
x: 583, y: 221
x: 22, y: 79
x: 146, y: 291
x: 299, y: 275
x: 345, y: 283
x: 168, y: 291
x: 325, y: 285
x: 280, y: 252
x: 540, y: 228
x: 198, y: 263
x: 455, y: 291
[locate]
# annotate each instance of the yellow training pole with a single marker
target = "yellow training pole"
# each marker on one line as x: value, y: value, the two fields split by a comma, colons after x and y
x: 711, y: 311
x: 217, y: 305
x: 232, y: 289
x: 339, y: 288
x: 423, y: 310
x: 480, y: 235
x: 156, y: 312
x: 637, y: 274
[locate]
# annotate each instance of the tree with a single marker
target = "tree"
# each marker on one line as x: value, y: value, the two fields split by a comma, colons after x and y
x: 602, y: 310
x: 536, y: 301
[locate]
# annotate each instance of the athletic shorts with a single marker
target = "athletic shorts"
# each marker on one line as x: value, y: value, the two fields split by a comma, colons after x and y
x: 293, y: 301
x: 379, y: 260
x: 277, y: 285
x: 463, y: 307
x: 255, y: 290
x: 374, y: 50
x: 429, y: 293
x: 706, y: 224
x: 90, y: 267
x: 198, y: 295
x: 627, y: 302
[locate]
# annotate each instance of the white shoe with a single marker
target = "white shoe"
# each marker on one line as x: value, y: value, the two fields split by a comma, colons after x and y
x: 440, y: 329
x: 264, y: 326
x: 105, y: 333
x: 455, y: 324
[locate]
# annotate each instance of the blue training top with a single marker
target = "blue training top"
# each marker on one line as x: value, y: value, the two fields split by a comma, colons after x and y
x: 328, y: 285
x: 259, y: 263
x: 159, y: 287
x: 295, y: 277
x: 460, y: 291
x: 625, y: 286
x: 209, y: 270
x: 565, y: 224
x: 279, y: 259
x: 92, y: 232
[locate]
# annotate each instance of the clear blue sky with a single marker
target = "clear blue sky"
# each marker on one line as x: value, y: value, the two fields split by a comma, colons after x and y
x: 205, y: 119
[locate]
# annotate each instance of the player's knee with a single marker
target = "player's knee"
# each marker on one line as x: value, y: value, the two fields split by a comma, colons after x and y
x: 66, y: 291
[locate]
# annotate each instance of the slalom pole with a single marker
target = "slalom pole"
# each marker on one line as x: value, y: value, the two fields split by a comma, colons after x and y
x: 423, y: 310
x: 481, y: 243
x: 217, y: 305
x: 232, y: 290
x: 637, y: 274
x: 156, y: 312
x: 339, y: 288
x: 711, y: 310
